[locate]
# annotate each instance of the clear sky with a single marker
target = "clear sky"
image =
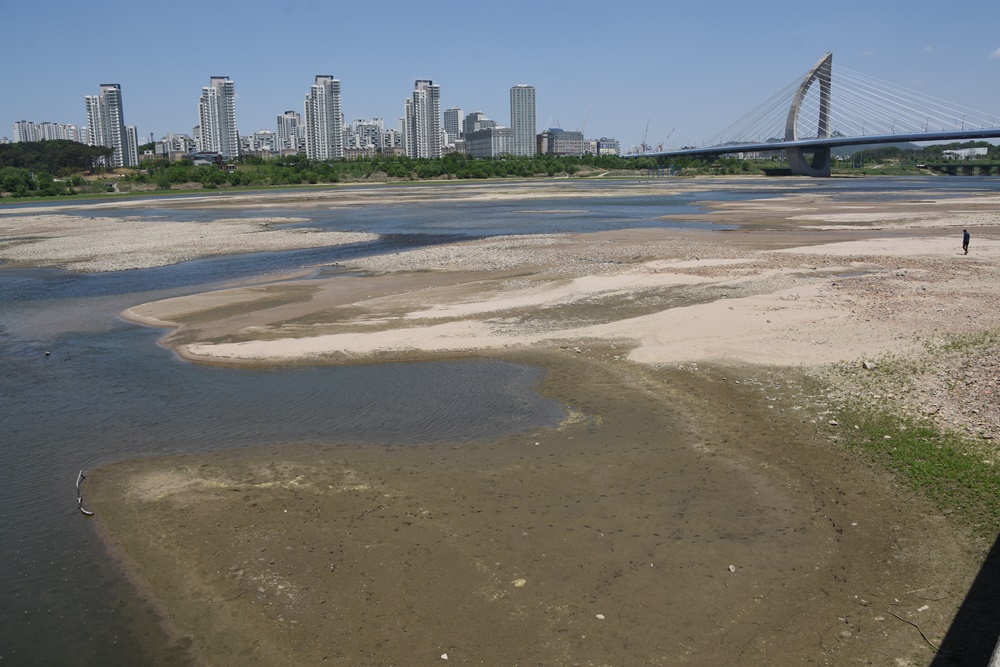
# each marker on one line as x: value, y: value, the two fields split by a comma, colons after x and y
x: 688, y: 68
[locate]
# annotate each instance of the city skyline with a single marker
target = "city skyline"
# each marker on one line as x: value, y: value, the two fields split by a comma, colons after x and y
x: 678, y: 67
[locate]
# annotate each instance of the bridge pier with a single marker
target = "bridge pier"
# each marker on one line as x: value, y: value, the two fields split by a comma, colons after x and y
x: 801, y: 165
x: 822, y: 73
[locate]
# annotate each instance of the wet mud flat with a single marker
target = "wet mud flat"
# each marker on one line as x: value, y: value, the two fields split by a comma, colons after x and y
x: 680, y: 515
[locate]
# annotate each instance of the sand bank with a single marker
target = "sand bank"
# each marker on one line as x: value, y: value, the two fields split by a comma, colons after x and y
x: 99, y: 244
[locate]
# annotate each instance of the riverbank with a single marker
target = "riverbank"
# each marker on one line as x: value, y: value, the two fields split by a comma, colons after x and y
x: 697, y: 506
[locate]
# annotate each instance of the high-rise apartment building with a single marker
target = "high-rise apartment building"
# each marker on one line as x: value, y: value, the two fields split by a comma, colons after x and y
x: 291, y: 135
x: 422, y: 132
x: 106, y: 125
x: 24, y: 131
x: 452, y: 124
x: 132, y: 144
x: 324, y: 121
x: 217, y: 132
x: 522, y: 119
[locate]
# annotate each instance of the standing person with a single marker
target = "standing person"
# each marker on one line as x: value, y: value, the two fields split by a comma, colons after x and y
x: 965, y: 240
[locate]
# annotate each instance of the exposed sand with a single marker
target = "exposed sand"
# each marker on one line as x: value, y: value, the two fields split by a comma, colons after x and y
x: 692, y: 509
x: 800, y: 305
x: 119, y: 244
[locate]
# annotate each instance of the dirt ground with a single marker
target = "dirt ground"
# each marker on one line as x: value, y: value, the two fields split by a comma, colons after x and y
x: 693, y: 508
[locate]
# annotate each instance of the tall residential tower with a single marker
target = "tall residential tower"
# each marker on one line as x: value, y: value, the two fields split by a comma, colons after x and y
x: 217, y: 131
x: 324, y: 121
x: 423, y: 121
x: 106, y: 125
x: 522, y: 119
x: 452, y: 124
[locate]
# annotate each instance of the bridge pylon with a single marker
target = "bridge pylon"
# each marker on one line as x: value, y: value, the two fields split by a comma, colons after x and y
x: 819, y: 164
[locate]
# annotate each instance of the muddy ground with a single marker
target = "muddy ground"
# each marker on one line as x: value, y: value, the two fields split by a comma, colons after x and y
x: 690, y: 515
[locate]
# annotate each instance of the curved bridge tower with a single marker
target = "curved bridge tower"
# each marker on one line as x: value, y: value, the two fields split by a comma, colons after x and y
x: 819, y: 165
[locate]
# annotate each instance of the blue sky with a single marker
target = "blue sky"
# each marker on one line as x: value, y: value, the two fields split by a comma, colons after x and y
x: 688, y: 68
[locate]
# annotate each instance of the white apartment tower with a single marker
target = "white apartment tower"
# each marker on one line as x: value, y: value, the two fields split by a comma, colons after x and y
x: 522, y: 119
x: 324, y: 121
x: 217, y: 131
x: 422, y: 132
x: 106, y: 125
x: 24, y: 130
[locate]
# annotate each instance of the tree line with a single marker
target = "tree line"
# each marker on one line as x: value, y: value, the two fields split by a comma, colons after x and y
x: 56, y: 167
x: 45, y: 168
x: 297, y: 169
x: 924, y: 154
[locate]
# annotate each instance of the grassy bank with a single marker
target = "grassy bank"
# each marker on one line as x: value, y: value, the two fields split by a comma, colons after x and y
x: 930, y: 420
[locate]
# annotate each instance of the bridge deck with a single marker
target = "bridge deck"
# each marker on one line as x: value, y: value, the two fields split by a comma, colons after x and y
x: 831, y: 142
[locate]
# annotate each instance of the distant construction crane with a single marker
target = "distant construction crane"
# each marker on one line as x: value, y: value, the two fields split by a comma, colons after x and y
x: 645, y: 134
x: 585, y: 119
x: 659, y: 148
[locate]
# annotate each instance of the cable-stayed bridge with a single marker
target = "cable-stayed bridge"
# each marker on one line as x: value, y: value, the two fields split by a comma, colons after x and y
x: 810, y: 116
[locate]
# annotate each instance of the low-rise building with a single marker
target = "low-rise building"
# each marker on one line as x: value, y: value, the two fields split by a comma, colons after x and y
x: 174, y: 146
x: 606, y: 146
x: 490, y: 142
x: 476, y: 121
x: 263, y: 143
x: 965, y: 153
x: 201, y: 158
x: 556, y: 141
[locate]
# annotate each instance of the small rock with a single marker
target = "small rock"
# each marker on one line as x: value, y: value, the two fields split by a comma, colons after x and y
x: 924, y: 608
x: 869, y: 365
x: 600, y: 617
x: 444, y: 656
x: 833, y: 422
x: 732, y: 568
x: 519, y: 583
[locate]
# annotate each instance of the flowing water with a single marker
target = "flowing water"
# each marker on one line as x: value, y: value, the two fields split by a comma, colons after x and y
x: 80, y: 388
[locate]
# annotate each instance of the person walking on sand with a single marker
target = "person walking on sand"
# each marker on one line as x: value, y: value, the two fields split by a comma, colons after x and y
x: 965, y: 240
